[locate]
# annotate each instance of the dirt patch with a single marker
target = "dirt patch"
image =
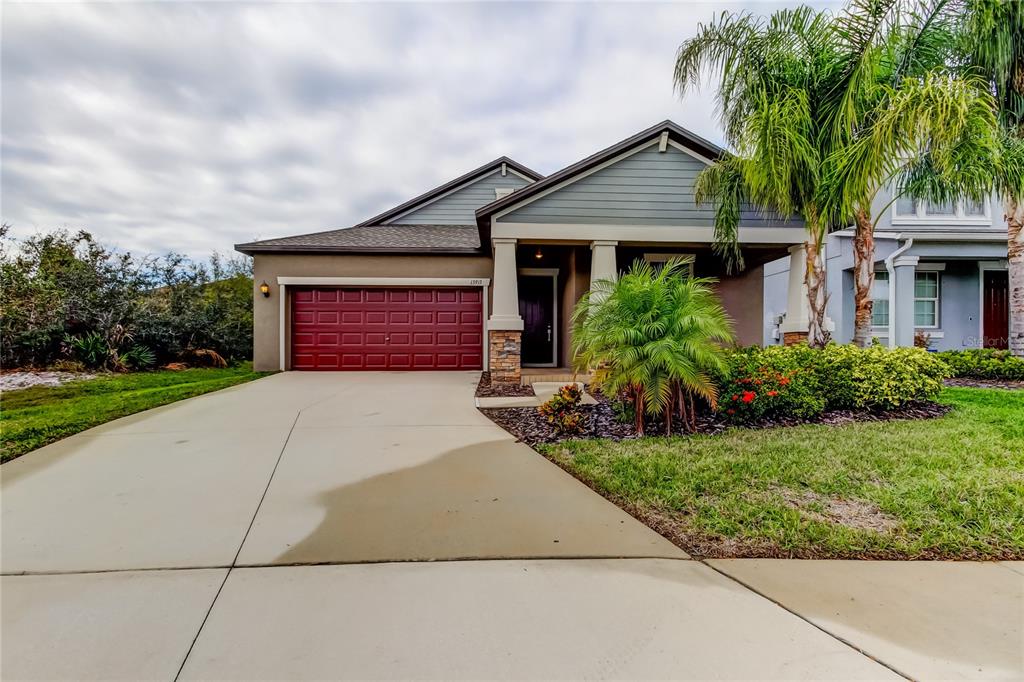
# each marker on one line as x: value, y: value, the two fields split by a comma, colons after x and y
x: 986, y: 383
x: 529, y: 426
x: 10, y: 381
x: 852, y: 513
x: 485, y: 389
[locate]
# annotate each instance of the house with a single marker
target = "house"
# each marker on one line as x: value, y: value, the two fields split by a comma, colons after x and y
x: 484, y: 271
x: 940, y: 275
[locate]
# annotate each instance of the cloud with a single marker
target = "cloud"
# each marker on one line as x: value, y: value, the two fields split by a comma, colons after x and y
x: 191, y: 127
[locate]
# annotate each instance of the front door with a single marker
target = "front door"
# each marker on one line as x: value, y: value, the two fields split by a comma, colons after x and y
x: 995, y: 309
x: 537, y: 308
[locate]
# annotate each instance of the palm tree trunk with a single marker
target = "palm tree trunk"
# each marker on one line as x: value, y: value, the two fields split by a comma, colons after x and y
x: 1015, y: 253
x: 638, y: 410
x: 814, y: 278
x: 863, y: 276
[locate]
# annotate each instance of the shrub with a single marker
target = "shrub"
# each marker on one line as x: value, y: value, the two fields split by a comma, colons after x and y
x: 772, y: 382
x: 801, y: 382
x: 888, y: 378
x: 66, y: 295
x: 563, y: 410
x: 984, y: 363
x: 655, y: 337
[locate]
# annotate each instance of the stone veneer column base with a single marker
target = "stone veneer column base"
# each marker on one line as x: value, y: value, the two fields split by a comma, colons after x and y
x: 505, y: 356
x: 793, y: 338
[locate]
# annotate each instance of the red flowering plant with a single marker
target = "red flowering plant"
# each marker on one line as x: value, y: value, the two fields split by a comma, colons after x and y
x: 763, y: 384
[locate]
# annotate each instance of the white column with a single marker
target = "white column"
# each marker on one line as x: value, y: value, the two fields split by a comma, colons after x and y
x: 903, y: 297
x: 797, y: 309
x: 505, y: 312
x: 602, y: 264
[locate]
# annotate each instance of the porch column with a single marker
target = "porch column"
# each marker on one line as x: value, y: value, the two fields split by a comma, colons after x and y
x: 903, y: 298
x: 602, y: 265
x: 505, y: 326
x: 797, y: 322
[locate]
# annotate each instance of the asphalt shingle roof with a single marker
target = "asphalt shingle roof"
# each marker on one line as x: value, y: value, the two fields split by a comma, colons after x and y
x: 406, y: 238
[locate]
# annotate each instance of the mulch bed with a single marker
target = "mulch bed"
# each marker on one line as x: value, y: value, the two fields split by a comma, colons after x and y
x: 985, y: 383
x: 485, y: 389
x: 529, y: 426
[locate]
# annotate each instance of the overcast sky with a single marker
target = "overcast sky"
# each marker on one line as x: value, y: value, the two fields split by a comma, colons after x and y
x: 191, y: 127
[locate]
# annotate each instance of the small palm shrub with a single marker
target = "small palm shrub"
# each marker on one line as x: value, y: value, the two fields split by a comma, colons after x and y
x: 655, y: 337
x: 563, y: 410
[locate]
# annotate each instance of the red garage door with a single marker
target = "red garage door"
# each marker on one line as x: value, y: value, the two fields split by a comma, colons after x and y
x: 381, y: 329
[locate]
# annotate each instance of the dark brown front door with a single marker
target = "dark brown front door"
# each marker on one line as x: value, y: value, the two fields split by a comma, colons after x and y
x: 537, y: 308
x: 996, y: 308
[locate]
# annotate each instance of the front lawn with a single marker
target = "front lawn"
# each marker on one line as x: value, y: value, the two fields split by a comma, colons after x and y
x: 949, y: 488
x: 33, y: 417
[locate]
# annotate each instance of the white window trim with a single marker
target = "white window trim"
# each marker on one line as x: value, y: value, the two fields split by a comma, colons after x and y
x: 937, y: 299
x: 922, y: 217
x: 284, y: 321
x: 883, y: 330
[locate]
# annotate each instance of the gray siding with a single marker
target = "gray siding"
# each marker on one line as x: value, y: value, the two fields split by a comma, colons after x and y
x: 459, y: 207
x: 647, y: 188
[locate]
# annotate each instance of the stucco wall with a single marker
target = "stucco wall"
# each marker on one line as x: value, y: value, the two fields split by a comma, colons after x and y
x: 742, y: 298
x: 266, y: 311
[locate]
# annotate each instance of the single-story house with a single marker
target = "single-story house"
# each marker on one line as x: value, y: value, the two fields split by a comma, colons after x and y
x: 483, y: 272
x: 940, y: 275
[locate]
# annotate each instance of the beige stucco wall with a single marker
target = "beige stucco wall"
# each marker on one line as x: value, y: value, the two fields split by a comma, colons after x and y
x: 268, y: 267
x: 743, y: 299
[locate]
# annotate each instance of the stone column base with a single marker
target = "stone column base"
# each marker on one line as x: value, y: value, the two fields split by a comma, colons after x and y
x: 505, y: 353
x: 793, y: 338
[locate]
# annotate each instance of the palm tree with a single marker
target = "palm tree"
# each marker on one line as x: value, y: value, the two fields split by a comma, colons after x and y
x: 916, y: 127
x: 992, y: 42
x: 823, y: 112
x: 654, y: 335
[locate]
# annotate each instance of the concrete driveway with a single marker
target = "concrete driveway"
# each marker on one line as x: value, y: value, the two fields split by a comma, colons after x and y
x: 359, y: 525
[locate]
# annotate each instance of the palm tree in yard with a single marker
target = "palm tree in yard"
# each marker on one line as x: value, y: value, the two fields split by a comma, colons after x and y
x: 823, y: 111
x: 655, y: 336
x: 992, y: 40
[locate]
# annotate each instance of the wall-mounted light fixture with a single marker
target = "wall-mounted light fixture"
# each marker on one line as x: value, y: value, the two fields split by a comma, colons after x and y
x: 539, y: 255
x: 265, y: 289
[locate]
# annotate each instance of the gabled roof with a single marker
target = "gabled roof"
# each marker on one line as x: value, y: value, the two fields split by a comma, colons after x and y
x: 426, y: 197
x: 680, y: 135
x: 376, y: 239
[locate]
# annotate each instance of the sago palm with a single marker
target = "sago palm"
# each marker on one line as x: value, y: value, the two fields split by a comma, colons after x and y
x: 655, y: 336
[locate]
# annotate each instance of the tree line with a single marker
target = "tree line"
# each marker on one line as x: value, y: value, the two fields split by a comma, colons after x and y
x: 67, y: 299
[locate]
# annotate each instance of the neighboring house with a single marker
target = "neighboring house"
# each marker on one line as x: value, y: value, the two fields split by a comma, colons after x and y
x: 940, y: 273
x: 483, y: 272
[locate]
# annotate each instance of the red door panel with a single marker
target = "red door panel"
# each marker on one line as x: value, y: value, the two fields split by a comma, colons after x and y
x: 382, y: 329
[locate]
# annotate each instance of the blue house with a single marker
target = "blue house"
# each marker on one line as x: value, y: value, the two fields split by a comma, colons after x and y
x: 940, y: 275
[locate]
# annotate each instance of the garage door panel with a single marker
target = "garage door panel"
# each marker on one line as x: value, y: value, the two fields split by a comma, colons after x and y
x: 380, y: 329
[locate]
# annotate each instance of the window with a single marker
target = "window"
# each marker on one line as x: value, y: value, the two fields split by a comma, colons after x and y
x: 926, y: 299
x: 907, y: 209
x: 658, y: 260
x: 880, y: 300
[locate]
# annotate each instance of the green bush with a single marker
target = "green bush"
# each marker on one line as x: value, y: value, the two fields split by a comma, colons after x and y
x: 65, y: 296
x: 985, y: 363
x: 801, y: 382
x: 772, y: 382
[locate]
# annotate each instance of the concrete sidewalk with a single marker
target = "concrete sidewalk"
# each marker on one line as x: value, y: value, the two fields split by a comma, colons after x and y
x: 315, y: 525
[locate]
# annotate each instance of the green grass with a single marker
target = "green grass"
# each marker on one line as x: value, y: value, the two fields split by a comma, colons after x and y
x: 33, y: 417
x: 951, y: 487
